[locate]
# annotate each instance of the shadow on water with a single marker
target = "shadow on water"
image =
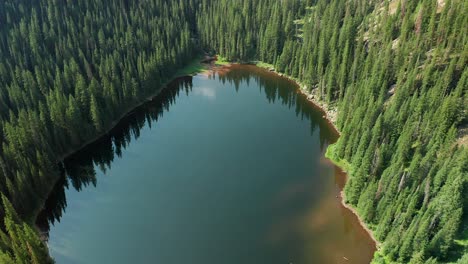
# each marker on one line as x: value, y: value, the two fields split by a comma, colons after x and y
x: 273, y: 86
x: 79, y: 169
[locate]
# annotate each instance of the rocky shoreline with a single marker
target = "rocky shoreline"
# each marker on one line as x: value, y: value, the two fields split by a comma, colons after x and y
x: 331, y: 113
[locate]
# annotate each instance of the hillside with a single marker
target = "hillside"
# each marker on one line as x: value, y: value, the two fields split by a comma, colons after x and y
x: 395, y: 71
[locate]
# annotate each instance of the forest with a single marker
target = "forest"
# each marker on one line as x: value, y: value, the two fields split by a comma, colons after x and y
x: 396, y: 72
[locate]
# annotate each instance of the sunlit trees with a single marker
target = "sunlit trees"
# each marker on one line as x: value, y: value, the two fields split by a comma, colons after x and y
x: 398, y: 77
x: 20, y: 244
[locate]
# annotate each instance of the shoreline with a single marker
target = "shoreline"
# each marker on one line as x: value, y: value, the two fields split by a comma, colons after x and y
x: 128, y: 111
x: 330, y: 116
x: 362, y: 223
x: 330, y: 111
x: 61, y: 158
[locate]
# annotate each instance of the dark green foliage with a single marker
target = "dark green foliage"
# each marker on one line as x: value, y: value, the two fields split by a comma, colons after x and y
x: 69, y: 70
x: 399, y: 80
x: 396, y: 71
x: 20, y: 244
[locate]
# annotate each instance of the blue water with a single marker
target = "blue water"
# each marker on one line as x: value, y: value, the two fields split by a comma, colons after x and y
x: 227, y: 168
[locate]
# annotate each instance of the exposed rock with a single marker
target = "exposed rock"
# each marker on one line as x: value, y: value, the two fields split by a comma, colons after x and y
x: 440, y: 5
x: 395, y: 43
x: 312, y: 95
x: 392, y: 90
x: 462, y: 138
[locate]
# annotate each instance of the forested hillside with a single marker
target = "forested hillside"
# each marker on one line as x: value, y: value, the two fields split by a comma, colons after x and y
x: 68, y: 69
x: 396, y: 71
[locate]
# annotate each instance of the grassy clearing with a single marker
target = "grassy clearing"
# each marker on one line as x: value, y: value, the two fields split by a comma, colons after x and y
x: 299, y: 22
x: 192, y: 68
x: 380, y: 258
x: 265, y: 65
x: 460, y: 246
x: 221, y: 61
x: 342, y: 163
x: 463, y: 237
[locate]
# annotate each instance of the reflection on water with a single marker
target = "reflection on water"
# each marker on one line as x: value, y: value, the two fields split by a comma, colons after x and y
x: 302, y: 212
x: 79, y: 170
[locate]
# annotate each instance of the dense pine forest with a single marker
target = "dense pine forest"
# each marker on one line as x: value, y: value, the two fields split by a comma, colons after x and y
x: 68, y: 69
x: 396, y: 71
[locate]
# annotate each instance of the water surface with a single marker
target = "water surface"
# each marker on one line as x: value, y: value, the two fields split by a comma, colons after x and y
x: 220, y: 169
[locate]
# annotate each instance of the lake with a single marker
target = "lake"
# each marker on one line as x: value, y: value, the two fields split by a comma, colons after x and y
x: 221, y: 168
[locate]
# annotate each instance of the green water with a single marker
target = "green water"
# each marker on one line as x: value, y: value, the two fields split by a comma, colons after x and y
x: 227, y: 168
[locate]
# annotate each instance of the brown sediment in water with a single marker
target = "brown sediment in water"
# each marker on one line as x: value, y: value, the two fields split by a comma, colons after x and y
x: 332, y: 120
x: 319, y: 217
x: 342, y: 196
x: 329, y: 114
x: 364, y: 226
x: 213, y: 69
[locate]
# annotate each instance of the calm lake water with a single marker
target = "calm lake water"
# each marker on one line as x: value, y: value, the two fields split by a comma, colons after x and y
x: 219, y: 169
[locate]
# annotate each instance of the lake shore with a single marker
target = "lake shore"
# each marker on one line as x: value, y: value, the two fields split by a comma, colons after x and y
x: 330, y: 116
x: 194, y: 67
x: 330, y: 111
x: 210, y: 67
x: 355, y: 212
x: 189, y: 70
x: 302, y: 209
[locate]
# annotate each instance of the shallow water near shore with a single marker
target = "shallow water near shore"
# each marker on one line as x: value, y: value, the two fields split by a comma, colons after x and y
x: 226, y: 167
